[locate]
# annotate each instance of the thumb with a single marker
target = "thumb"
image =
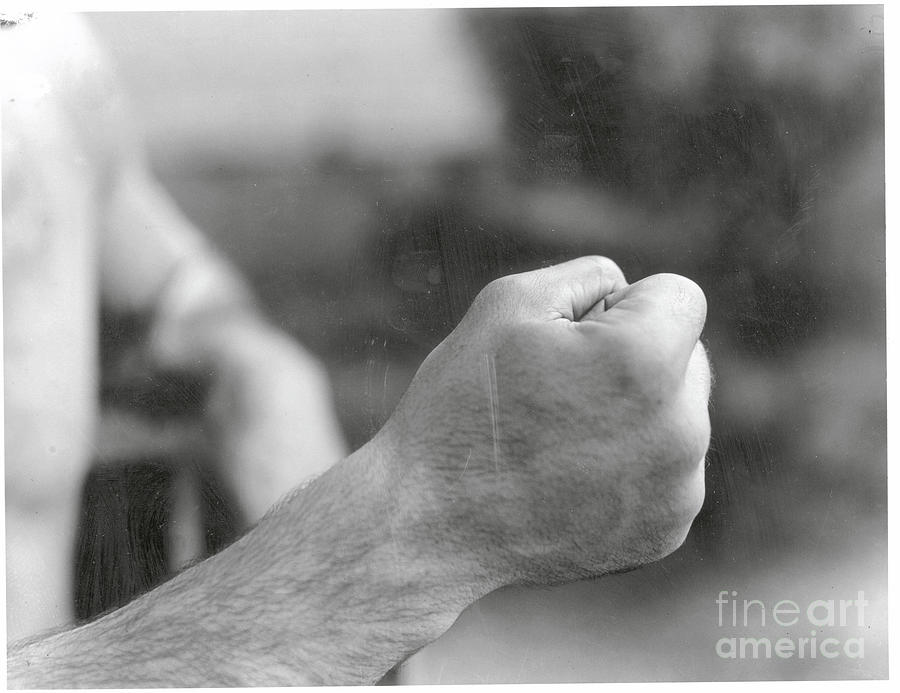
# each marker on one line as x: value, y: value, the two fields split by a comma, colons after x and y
x: 668, y: 310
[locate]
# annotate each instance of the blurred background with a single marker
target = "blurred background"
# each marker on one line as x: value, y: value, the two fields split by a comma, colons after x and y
x: 370, y: 171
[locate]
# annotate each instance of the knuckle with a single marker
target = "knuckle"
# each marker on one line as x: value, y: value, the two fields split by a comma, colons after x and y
x: 503, y: 299
x: 679, y: 448
x: 604, y: 265
x: 699, y: 375
x: 508, y: 284
x: 688, y: 443
x: 676, y: 515
x: 500, y: 290
x: 686, y: 293
x: 702, y: 433
x: 672, y: 540
x: 692, y: 495
x: 660, y: 540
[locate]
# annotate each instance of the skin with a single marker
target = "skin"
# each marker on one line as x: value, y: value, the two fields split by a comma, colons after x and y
x: 84, y: 224
x: 557, y: 434
x: 269, y: 410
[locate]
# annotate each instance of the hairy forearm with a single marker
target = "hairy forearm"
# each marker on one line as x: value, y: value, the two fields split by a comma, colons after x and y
x: 334, y: 586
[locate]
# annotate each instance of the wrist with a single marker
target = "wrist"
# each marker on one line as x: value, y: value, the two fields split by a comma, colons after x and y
x: 366, y: 579
x: 454, y: 516
x: 432, y: 518
x: 334, y: 586
x: 413, y: 568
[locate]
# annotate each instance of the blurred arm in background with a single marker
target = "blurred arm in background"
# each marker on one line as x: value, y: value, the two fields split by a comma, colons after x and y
x: 269, y: 399
x: 84, y: 222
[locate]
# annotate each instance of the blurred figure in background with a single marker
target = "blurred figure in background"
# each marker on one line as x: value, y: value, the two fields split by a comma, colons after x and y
x: 85, y: 224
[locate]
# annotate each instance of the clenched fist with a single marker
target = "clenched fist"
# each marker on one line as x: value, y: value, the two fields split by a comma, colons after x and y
x: 559, y: 432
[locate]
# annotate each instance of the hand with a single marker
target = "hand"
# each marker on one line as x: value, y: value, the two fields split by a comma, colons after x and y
x: 559, y: 432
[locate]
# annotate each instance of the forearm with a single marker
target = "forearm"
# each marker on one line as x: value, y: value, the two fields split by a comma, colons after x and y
x: 334, y: 586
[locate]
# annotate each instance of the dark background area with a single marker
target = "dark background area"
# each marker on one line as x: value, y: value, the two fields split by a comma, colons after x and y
x: 742, y: 147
